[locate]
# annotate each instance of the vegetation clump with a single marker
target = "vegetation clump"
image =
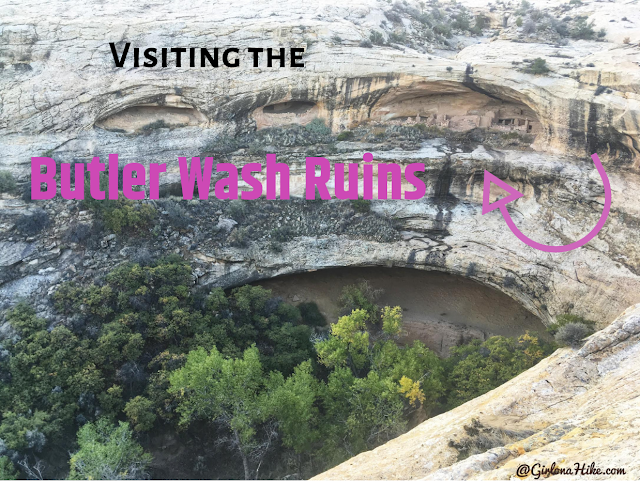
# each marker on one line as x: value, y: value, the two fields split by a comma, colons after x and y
x: 538, y: 67
x: 7, y: 183
x: 263, y: 381
x: 570, y: 329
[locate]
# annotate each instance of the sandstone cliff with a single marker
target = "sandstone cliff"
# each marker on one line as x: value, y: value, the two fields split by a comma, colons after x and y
x: 61, y: 96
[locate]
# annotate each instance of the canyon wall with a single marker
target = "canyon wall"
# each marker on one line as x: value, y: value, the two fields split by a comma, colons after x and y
x: 63, y: 97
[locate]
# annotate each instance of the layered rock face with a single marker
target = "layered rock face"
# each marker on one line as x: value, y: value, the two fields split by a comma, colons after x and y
x: 462, y: 109
x: 556, y: 412
x: 62, y: 96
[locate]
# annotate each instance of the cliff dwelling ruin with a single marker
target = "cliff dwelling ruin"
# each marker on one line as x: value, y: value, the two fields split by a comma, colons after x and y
x: 458, y: 111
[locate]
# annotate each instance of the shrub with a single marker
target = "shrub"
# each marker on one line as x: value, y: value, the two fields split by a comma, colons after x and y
x: 108, y: 452
x: 479, y: 439
x: 282, y: 234
x: 7, y: 182
x: 479, y: 367
x: 318, y: 127
x: 176, y: 214
x: 398, y: 37
x: 461, y: 21
x: 449, y: 69
x: 32, y: 224
x: 366, y: 43
x: 442, y: 29
x: 524, y: 8
x: 126, y: 215
x: 538, y: 67
x: 529, y: 27
x: 582, y: 30
x: 139, y: 410
x: 626, y: 40
x: 346, y: 135
x: 238, y: 209
x: 361, y: 205
x: 360, y: 296
x: 376, y: 38
x: 572, y: 334
x: 519, y: 22
x: 311, y: 315
x: 7, y: 469
x: 564, y: 319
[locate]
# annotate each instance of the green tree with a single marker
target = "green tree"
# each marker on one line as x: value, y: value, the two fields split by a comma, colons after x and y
x: 348, y: 343
x: 140, y: 411
x: 293, y: 405
x: 7, y: 469
x: 479, y: 367
x: 360, y: 413
x: 107, y: 451
x: 229, y: 392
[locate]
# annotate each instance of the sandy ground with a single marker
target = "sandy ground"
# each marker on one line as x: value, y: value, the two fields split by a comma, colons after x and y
x: 441, y: 310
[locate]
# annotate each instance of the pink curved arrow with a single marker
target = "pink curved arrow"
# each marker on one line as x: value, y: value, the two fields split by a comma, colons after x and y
x: 514, y: 194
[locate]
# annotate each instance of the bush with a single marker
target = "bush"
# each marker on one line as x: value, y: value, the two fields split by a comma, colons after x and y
x: 572, y: 334
x: 376, y: 38
x: 346, y: 135
x: 582, y: 30
x: 398, y: 37
x: 126, y: 215
x: 32, y: 224
x: 361, y: 205
x: 282, y: 234
x: 519, y: 22
x: 479, y: 367
x: 524, y: 8
x: 366, y: 43
x: 7, y: 469
x: 565, y: 319
x: 318, y: 127
x: 360, y: 296
x: 108, y: 452
x: 602, y: 33
x: 238, y: 209
x: 311, y: 315
x: 529, y: 27
x: 177, y: 215
x: 449, y: 69
x: 479, y: 439
x: 7, y: 182
x: 461, y: 21
x: 626, y: 40
x: 538, y: 67
x: 139, y: 410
